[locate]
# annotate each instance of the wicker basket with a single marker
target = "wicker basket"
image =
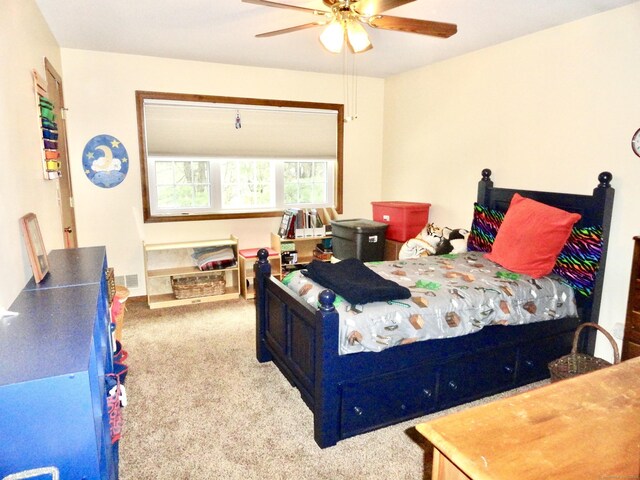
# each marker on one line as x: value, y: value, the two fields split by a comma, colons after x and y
x: 190, y: 286
x: 575, y: 363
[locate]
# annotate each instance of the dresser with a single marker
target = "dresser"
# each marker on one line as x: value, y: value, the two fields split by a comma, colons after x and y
x: 53, y: 360
x: 581, y: 428
x: 631, y: 342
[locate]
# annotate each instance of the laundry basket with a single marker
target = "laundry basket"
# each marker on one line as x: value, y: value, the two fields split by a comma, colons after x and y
x: 575, y: 363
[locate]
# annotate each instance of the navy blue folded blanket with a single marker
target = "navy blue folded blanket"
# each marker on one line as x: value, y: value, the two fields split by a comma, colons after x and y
x: 355, y: 282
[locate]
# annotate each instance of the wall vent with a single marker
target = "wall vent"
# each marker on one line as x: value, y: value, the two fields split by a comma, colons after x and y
x: 129, y: 281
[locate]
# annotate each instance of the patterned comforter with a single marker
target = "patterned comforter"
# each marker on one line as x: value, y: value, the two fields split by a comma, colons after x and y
x: 451, y: 295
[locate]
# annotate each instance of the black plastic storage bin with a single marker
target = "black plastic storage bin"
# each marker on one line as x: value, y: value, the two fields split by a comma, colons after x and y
x: 358, y: 238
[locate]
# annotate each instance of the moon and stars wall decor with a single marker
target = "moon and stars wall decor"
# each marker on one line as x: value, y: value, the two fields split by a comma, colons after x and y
x: 105, y: 161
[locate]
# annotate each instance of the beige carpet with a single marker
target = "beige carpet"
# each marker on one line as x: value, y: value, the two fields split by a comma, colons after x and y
x: 201, y: 407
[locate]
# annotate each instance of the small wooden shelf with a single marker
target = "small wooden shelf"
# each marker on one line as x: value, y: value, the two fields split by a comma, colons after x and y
x: 191, y: 245
x: 247, y: 275
x: 169, y: 299
x: 304, y: 246
x: 169, y: 272
x: 165, y: 260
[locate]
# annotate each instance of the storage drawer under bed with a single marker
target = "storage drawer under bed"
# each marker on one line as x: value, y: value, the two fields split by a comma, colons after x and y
x: 383, y: 400
x: 534, y: 357
x: 476, y: 375
x: 379, y: 401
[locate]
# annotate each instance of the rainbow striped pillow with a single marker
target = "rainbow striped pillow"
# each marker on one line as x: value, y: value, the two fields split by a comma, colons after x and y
x: 577, y: 263
x: 579, y: 259
x: 485, y: 225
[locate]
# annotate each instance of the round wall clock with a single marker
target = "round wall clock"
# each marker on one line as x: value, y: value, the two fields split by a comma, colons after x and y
x: 635, y: 142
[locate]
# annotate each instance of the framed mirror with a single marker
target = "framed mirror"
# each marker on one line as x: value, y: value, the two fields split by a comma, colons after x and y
x: 35, y: 246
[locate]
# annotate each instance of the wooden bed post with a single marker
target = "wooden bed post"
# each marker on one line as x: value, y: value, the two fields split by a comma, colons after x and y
x: 602, y: 195
x: 484, y: 187
x: 326, y: 418
x: 262, y: 270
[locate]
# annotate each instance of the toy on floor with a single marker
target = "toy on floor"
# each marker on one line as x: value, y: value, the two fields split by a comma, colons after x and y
x: 434, y: 240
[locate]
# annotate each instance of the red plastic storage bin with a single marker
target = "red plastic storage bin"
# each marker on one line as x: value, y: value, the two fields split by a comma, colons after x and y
x: 405, y: 219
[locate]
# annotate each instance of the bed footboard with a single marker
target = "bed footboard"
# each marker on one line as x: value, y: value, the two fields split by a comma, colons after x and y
x: 303, y: 343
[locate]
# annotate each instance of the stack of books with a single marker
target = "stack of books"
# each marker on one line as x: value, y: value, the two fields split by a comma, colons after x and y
x: 301, y: 223
x: 323, y: 251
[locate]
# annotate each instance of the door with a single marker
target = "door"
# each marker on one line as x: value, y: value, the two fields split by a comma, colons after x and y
x: 65, y: 191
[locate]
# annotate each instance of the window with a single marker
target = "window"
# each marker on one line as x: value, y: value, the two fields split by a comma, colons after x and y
x: 305, y: 182
x: 220, y: 157
x: 182, y: 185
x: 247, y: 184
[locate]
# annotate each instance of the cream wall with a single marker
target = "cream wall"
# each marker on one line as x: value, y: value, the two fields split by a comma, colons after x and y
x: 548, y: 111
x: 100, y: 95
x: 24, y: 41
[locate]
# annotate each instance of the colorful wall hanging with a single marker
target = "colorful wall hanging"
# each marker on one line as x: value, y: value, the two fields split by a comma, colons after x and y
x: 49, y: 129
x: 105, y: 161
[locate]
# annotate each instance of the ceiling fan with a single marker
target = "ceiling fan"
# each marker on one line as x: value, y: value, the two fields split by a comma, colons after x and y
x: 345, y: 19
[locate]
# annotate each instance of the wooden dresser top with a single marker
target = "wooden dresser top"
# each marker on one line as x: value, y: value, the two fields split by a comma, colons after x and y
x: 587, y: 427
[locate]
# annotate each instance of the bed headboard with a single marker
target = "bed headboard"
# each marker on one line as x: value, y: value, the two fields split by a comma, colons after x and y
x: 595, y: 210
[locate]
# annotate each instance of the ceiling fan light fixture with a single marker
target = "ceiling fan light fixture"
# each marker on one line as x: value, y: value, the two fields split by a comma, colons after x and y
x: 332, y: 38
x: 358, y: 38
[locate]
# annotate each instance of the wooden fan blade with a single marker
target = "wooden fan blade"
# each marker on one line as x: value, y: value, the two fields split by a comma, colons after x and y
x: 290, y: 29
x: 373, y: 7
x: 412, y: 25
x: 267, y: 3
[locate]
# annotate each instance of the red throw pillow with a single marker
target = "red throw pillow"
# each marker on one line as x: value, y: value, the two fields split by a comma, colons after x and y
x: 531, y: 236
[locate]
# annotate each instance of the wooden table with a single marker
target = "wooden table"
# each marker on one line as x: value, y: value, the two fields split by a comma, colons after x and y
x: 583, y: 428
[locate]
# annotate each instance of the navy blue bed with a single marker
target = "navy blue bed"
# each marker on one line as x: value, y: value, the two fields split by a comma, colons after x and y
x: 353, y: 394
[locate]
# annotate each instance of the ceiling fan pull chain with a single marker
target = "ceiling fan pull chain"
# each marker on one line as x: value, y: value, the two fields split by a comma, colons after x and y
x: 354, y: 93
x: 345, y: 84
x: 350, y: 86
